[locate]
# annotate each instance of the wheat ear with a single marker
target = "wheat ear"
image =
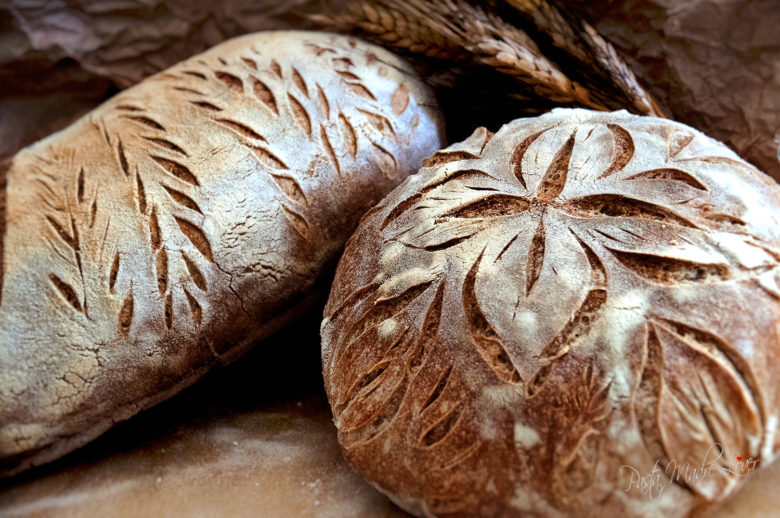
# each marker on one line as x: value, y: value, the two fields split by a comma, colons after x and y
x: 455, y: 29
x: 582, y: 42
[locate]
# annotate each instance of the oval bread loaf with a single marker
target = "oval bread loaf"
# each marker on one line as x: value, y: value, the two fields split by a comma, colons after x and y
x: 186, y: 217
x: 576, y: 316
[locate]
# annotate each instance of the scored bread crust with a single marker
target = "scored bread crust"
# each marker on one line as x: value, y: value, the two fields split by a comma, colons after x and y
x: 186, y: 217
x: 539, y: 315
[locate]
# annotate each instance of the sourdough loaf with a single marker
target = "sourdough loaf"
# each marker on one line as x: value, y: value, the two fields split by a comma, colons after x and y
x: 186, y: 217
x: 576, y: 316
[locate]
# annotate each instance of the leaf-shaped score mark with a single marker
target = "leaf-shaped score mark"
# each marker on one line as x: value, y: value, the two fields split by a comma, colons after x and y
x: 668, y: 270
x: 265, y: 95
x: 375, y: 396
x: 535, y: 261
x: 380, y: 122
x: 182, y: 199
x: 486, y: 340
x: 113, y: 273
x: 324, y: 104
x: 554, y: 179
x: 196, y: 74
x: 195, y: 309
x: 578, y: 325
x: 448, y: 243
x: 290, y: 187
x: 195, y: 274
x: 384, y: 371
x: 146, y: 121
x: 598, y: 274
x: 276, y: 68
x: 354, y: 83
x: 267, y: 158
x: 176, y: 169
x: 726, y: 222
x: 619, y: 206
x: 669, y: 174
x: 80, y: 186
x: 409, y: 202
x: 69, y: 240
x: 299, y: 82
x: 93, y: 213
x: 233, y: 82
x: 623, y: 150
x: 298, y: 222
x: 516, y: 162
x: 399, y: 100
x: 126, y: 313
x: 154, y: 230
x: 67, y: 292
x: 120, y: 151
x: 206, y: 106
x: 167, y: 144
x: 445, y: 157
x: 251, y: 63
x: 300, y: 115
x: 197, y: 237
x: 705, y: 411
x: 329, y: 148
x: 385, y: 160
x: 168, y: 310
x: 491, y: 206
x: 438, y: 389
x: 349, y: 135
x: 364, y: 329
x: 428, y: 334
x: 439, y: 431
x: 162, y: 270
x: 241, y: 129
x: 188, y: 90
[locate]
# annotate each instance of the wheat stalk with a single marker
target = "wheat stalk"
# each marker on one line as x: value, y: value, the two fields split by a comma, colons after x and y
x: 457, y: 30
x: 582, y: 42
x: 395, y: 28
x: 620, y: 73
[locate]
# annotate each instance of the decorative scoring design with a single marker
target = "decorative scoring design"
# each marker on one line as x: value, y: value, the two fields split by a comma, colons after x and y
x: 164, y: 173
x: 550, y: 259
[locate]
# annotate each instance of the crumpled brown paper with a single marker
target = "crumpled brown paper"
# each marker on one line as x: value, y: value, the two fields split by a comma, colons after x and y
x: 60, y: 58
x: 712, y: 64
x: 127, y: 40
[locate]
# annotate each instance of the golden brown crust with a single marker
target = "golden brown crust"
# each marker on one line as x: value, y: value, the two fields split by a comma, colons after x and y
x: 538, y: 314
x: 166, y: 230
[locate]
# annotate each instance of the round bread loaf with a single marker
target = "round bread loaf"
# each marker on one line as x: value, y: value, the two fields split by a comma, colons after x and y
x: 186, y: 217
x: 576, y: 316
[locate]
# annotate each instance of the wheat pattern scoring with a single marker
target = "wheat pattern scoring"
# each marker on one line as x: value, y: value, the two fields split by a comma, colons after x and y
x: 164, y: 178
x: 185, y: 219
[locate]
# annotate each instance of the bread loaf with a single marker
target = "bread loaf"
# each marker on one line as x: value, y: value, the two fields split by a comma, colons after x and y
x: 186, y: 217
x: 576, y: 316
